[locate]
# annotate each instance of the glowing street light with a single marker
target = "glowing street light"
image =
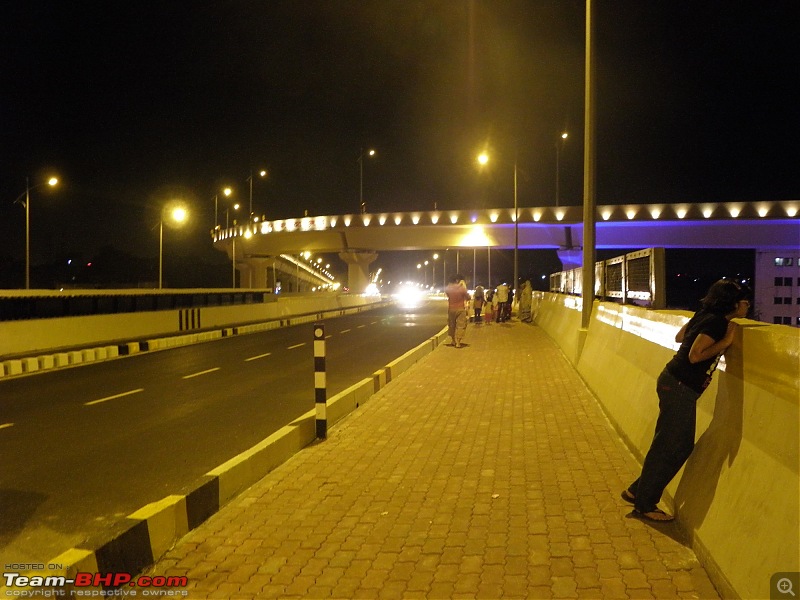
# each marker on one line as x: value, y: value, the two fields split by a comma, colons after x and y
x: 370, y: 152
x: 176, y: 215
x: 52, y: 182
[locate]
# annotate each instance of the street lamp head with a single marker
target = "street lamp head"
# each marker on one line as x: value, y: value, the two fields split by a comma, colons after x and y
x: 564, y: 135
x: 52, y: 182
x: 236, y: 206
x: 179, y: 214
x: 262, y: 173
x: 227, y: 191
x: 372, y: 152
x: 483, y: 158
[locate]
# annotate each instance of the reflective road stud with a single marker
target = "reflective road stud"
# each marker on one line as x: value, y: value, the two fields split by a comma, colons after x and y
x: 320, y: 383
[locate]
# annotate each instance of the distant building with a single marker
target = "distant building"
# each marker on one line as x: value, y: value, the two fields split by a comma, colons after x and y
x: 777, y: 293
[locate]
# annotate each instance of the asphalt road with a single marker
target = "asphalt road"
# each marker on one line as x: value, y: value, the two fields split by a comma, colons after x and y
x: 81, y: 448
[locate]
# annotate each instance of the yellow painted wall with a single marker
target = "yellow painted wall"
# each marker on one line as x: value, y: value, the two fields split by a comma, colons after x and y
x: 39, y: 335
x: 739, y: 494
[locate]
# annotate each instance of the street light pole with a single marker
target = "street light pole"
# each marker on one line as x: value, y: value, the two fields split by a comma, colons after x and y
x: 27, y: 234
x: 178, y: 214
x: 27, y: 203
x: 233, y: 262
x: 262, y: 173
x: 564, y: 136
x: 363, y: 206
x: 516, y: 235
x: 160, y: 250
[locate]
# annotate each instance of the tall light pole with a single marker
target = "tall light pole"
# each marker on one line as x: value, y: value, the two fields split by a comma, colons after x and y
x: 262, y: 173
x: 226, y: 192
x: 363, y: 206
x: 589, y: 218
x: 178, y: 215
x: 559, y: 143
x: 483, y: 159
x: 234, y: 235
x: 52, y: 182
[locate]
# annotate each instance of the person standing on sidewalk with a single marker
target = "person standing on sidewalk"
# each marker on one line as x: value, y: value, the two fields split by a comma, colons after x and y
x: 478, y: 301
x: 525, y: 302
x: 703, y: 339
x: 501, y: 300
x: 488, y: 306
x: 457, y: 298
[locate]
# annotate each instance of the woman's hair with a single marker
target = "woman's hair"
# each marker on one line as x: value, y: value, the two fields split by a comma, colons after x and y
x: 723, y: 296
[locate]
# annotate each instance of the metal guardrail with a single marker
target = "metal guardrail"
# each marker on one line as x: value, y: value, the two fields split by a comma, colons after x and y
x: 634, y: 278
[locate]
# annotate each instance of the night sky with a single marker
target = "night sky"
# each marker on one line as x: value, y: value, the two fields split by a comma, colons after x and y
x: 135, y: 103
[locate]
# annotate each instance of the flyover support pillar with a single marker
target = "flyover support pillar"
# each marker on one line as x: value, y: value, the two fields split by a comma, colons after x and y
x: 254, y: 272
x: 358, y: 269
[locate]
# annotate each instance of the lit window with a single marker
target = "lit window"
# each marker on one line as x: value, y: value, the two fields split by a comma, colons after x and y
x: 784, y: 262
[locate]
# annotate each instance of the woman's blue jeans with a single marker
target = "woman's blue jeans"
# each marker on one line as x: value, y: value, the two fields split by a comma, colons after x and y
x: 672, y: 443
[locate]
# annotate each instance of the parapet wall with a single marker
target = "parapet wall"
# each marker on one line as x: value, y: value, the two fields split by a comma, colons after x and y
x: 738, y: 497
x: 32, y: 336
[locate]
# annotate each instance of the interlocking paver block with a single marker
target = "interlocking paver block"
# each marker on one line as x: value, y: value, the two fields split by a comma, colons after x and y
x: 484, y: 472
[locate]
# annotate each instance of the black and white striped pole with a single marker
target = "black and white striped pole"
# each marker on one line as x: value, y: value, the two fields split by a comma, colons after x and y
x: 320, y: 382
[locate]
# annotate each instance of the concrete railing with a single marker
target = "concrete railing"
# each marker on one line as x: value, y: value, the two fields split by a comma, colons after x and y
x: 31, y: 337
x: 738, y: 497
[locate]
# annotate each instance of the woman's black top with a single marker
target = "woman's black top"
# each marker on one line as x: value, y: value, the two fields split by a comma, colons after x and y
x: 697, y: 376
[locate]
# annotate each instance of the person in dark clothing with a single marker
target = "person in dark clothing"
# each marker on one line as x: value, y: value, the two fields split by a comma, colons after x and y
x: 704, y: 338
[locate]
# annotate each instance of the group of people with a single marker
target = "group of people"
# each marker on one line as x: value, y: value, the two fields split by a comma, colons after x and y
x: 490, y: 304
x: 487, y: 304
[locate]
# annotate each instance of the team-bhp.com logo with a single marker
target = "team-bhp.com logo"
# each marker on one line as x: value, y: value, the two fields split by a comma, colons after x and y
x: 93, y: 584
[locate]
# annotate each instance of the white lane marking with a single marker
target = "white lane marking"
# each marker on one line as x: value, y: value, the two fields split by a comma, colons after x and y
x: 296, y: 346
x: 115, y: 396
x: 374, y: 322
x: 6, y: 425
x: 257, y: 357
x: 360, y: 326
x: 201, y: 373
x: 328, y: 336
x: 344, y: 331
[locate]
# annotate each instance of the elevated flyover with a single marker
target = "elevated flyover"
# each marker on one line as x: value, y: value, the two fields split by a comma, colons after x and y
x: 254, y: 246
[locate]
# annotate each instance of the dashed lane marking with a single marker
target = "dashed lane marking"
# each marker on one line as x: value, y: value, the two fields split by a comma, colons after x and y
x: 201, y: 373
x: 296, y: 346
x: 6, y: 425
x: 257, y: 357
x: 360, y: 326
x: 114, y: 397
x: 344, y: 331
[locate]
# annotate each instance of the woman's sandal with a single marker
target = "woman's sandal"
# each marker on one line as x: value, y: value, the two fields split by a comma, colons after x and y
x: 628, y: 497
x: 656, y: 515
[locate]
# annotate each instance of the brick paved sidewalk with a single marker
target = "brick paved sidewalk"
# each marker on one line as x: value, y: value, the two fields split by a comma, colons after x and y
x: 483, y: 472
